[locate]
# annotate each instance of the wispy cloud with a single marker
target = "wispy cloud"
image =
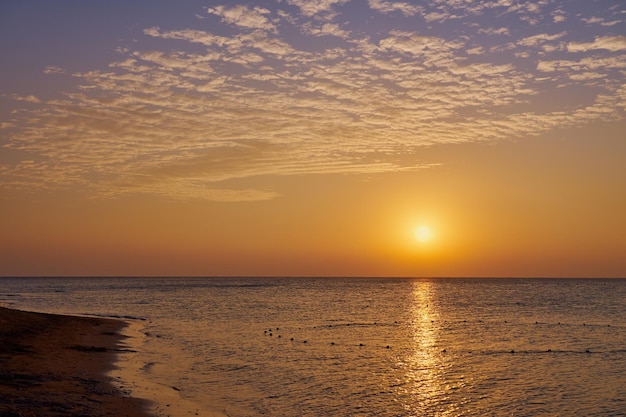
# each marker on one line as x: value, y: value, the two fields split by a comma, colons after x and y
x: 30, y: 98
x: 601, y: 21
x: 495, y: 31
x: 324, y: 8
x: 392, y: 6
x: 326, y: 29
x: 243, y: 16
x: 610, y: 43
x: 53, y: 70
x: 540, y: 39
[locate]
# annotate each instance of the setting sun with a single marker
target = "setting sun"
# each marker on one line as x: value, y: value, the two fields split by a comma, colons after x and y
x: 423, y: 234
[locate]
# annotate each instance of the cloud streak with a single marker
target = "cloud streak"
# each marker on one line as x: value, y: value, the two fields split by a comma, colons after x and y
x: 609, y: 43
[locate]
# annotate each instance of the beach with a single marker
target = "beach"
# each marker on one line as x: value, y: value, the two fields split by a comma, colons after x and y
x: 54, y: 365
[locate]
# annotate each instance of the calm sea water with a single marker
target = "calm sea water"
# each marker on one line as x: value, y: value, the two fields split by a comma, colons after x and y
x: 360, y: 347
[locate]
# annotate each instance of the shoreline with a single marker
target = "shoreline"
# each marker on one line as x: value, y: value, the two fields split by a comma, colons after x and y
x: 57, y: 365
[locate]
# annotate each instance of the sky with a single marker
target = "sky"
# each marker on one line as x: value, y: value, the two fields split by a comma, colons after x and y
x: 313, y: 138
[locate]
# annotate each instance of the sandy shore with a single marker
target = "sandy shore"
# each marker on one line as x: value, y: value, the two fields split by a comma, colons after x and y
x: 52, y: 365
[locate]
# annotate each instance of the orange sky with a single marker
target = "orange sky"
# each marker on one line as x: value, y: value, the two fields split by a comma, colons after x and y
x: 288, y: 139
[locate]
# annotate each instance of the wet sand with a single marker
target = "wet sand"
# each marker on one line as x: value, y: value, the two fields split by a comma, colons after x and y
x: 52, y: 365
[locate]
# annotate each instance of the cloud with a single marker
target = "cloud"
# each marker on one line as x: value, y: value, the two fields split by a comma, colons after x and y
x: 53, y: 70
x: 415, y: 44
x: 528, y: 11
x: 243, y: 16
x: 601, y: 21
x: 327, y: 29
x: 612, y: 23
x: 392, y: 6
x: 583, y: 64
x: 212, y: 113
x: 495, y: 31
x: 478, y: 50
x: 593, y: 20
x: 257, y: 39
x: 29, y: 98
x: 317, y: 7
x: 436, y: 16
x: 540, y: 39
x: 610, y: 43
x: 185, y: 189
x: 190, y: 35
x: 584, y: 76
x: 559, y: 16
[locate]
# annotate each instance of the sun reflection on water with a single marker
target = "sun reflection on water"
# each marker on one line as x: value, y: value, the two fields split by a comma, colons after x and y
x: 426, y: 359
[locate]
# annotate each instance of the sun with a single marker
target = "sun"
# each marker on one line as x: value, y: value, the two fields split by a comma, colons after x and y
x: 423, y: 234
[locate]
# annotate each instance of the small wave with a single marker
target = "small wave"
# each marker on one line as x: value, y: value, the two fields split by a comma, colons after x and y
x: 116, y: 316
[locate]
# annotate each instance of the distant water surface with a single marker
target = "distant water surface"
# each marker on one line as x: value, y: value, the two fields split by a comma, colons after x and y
x: 364, y: 347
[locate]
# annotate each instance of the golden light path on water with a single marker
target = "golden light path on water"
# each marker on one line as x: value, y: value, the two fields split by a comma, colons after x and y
x: 426, y: 362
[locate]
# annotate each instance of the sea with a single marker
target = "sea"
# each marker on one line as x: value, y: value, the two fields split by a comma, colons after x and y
x: 357, y: 346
